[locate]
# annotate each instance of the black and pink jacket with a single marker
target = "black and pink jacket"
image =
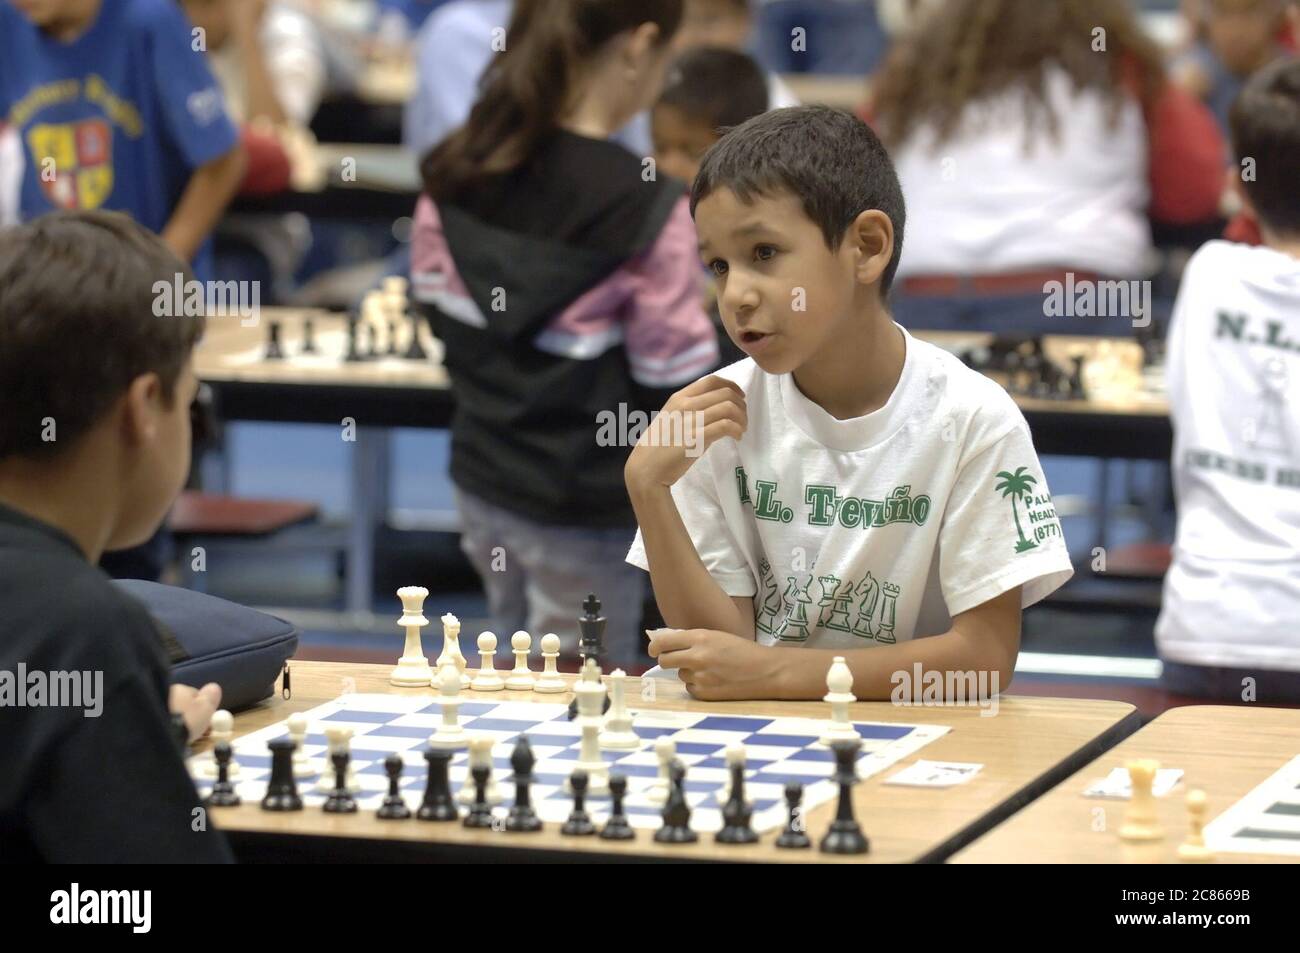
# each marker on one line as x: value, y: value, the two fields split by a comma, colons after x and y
x: 564, y: 289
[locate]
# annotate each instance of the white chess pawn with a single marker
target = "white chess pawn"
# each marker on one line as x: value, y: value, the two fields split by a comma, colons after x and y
x: 480, y: 752
x: 303, y: 766
x: 839, y: 685
x: 618, y: 733
x: 487, y: 679
x: 450, y: 734
x: 1140, y: 820
x: 412, y: 669
x: 1194, y: 848
x: 665, y: 751
x: 550, y: 682
x: 337, y: 738
x: 521, y: 679
x: 451, y: 650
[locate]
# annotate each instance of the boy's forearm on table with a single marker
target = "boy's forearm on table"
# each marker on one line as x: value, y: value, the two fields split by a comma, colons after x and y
x: 874, y: 669
x: 687, y: 594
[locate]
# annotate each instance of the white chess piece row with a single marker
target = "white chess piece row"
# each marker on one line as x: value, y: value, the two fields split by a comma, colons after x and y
x: 521, y: 679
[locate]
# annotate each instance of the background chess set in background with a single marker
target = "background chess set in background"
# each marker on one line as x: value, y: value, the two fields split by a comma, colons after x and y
x: 778, y: 750
x: 1265, y: 821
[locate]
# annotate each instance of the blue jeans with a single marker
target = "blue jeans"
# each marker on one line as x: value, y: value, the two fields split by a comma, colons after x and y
x: 536, y: 577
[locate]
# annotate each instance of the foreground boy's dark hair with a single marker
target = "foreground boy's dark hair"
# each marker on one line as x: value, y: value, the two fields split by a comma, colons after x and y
x: 829, y: 158
x: 77, y: 324
x: 1265, y: 121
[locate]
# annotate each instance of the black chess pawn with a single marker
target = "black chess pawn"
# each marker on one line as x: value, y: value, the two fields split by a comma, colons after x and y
x: 794, y: 835
x: 372, y: 340
x: 416, y: 350
x: 274, y: 351
x: 480, y: 811
x: 736, y: 812
x: 438, y: 804
x: 353, y: 354
x: 617, y: 827
x: 676, y: 828
x: 590, y: 644
x: 844, y: 835
x: 340, y: 800
x: 394, y: 807
x: 392, y: 339
x: 522, y: 817
x: 579, y: 823
x: 281, y: 790
x: 309, y: 337
x: 223, y: 792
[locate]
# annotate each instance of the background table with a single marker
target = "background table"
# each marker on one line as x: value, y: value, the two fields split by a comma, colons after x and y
x: 1028, y: 746
x: 1224, y: 751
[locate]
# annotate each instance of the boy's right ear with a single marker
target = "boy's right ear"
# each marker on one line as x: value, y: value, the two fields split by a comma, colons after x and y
x: 140, y: 408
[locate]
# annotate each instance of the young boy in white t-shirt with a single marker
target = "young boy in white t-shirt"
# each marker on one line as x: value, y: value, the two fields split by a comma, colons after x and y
x: 1228, y: 625
x: 871, y: 489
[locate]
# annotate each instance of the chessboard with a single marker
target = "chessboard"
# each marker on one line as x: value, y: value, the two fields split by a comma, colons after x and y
x: 778, y: 750
x: 1265, y: 821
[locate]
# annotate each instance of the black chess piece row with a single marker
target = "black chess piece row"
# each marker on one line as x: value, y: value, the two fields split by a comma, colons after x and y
x: 355, y: 352
x: 844, y: 836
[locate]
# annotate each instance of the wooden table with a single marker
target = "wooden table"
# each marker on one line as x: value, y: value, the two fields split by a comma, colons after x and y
x: 1029, y: 745
x: 1224, y: 751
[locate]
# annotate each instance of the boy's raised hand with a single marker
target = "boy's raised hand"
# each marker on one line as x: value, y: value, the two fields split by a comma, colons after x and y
x: 692, y: 420
x: 195, y: 705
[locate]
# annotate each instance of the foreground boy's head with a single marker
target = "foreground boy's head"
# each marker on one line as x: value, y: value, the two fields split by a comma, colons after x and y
x: 1265, y: 123
x: 708, y: 90
x: 97, y: 388
x: 800, y: 221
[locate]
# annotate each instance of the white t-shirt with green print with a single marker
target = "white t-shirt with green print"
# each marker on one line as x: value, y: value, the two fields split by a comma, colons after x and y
x: 877, y: 529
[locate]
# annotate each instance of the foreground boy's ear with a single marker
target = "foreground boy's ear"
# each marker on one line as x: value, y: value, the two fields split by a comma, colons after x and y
x: 1238, y: 188
x: 872, y: 234
x: 142, y: 404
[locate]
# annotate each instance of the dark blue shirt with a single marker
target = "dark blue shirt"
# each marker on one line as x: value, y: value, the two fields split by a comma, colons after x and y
x: 119, y: 118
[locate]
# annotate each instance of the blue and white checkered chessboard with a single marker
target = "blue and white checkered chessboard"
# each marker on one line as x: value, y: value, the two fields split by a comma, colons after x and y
x: 778, y: 750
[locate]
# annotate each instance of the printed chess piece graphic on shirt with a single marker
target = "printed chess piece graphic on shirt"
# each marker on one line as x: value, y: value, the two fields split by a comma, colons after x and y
x: 888, y: 608
x: 1018, y: 486
x: 765, y: 621
x: 795, y: 626
x: 1267, y: 429
x: 869, y: 590
x: 835, y: 603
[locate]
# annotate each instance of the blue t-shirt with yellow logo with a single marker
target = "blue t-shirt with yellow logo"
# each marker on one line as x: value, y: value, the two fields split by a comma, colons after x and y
x: 119, y: 118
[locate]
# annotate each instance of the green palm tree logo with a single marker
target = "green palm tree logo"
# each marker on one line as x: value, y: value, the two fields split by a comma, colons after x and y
x: 1017, y: 486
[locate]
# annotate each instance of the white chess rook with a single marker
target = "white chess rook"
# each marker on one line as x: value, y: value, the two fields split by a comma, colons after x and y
x: 1140, y: 820
x: 487, y: 679
x: 618, y: 733
x: 550, y: 682
x: 521, y: 679
x: 839, y: 693
x: 412, y: 669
